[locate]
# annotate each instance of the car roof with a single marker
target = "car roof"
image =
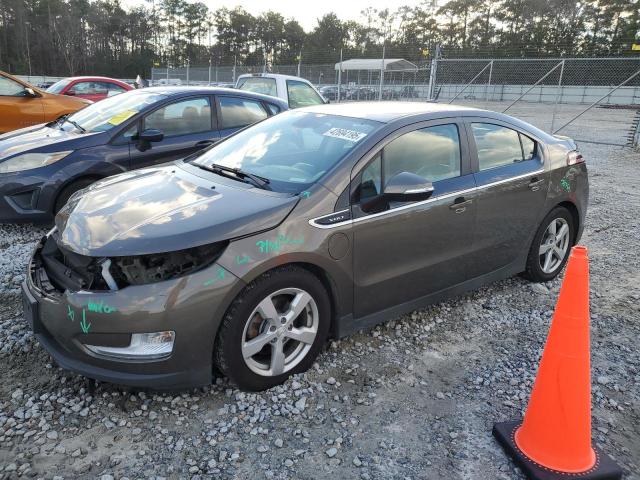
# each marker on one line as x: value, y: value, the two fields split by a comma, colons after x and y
x: 107, y: 79
x: 389, y: 111
x: 272, y: 75
x: 191, y: 90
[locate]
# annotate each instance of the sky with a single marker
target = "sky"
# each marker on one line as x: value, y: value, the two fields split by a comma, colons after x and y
x: 305, y: 11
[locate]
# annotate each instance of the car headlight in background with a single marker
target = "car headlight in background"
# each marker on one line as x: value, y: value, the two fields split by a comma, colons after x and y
x: 29, y: 161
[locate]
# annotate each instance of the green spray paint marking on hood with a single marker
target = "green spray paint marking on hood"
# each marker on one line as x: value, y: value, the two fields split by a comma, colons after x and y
x: 83, y: 324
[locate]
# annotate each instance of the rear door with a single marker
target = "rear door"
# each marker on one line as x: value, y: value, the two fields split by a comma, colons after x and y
x: 404, y: 251
x: 512, y: 187
x: 235, y: 112
x: 188, y: 125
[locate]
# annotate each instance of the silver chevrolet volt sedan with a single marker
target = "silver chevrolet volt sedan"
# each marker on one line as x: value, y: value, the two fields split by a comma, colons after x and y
x: 243, y: 259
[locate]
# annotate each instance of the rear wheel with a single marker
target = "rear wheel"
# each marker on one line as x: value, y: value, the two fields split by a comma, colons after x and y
x: 551, y: 246
x: 69, y: 190
x: 276, y: 327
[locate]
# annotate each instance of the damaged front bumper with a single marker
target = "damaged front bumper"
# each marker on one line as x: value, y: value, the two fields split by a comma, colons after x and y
x: 97, y: 332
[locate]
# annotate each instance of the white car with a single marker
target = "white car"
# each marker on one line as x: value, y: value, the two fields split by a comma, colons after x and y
x: 296, y: 91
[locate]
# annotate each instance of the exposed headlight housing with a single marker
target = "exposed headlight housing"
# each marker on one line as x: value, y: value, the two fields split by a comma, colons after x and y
x: 29, y: 161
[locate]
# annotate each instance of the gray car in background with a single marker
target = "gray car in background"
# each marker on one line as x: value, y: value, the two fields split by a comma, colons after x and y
x: 243, y: 259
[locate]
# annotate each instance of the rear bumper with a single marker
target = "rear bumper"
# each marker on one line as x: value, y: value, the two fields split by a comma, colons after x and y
x: 183, y: 305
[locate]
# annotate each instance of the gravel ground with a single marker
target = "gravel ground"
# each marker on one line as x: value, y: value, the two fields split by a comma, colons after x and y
x: 414, y: 398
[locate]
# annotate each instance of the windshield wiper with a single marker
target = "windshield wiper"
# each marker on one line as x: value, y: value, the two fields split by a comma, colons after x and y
x: 256, y: 180
x: 75, y: 124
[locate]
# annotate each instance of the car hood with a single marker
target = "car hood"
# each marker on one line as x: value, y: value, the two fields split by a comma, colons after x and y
x: 165, y: 209
x: 43, y: 139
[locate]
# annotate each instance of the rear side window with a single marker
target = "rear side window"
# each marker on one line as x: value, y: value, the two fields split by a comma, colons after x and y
x: 302, y: 95
x: 273, y: 109
x: 266, y: 86
x: 239, y: 112
x: 528, y: 147
x: 498, y: 146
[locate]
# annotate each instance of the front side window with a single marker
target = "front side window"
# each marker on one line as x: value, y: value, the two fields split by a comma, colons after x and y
x: 497, y: 146
x: 9, y: 88
x: 239, y: 112
x: 58, y: 86
x: 265, y: 86
x: 84, y: 88
x: 433, y: 153
x: 302, y: 95
x: 181, y: 118
x: 292, y: 150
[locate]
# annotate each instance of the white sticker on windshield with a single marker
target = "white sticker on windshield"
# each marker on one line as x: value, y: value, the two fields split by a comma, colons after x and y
x: 345, y: 134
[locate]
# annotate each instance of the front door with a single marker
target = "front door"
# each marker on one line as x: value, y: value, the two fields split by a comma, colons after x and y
x: 18, y: 110
x: 405, y: 251
x: 512, y: 189
x: 187, y: 125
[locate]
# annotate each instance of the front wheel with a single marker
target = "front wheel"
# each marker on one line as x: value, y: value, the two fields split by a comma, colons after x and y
x: 275, y: 328
x: 551, y: 246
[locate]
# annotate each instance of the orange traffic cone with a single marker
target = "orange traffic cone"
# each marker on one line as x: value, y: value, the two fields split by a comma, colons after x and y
x: 554, y: 439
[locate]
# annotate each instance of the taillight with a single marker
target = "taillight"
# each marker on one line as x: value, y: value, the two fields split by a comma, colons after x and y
x: 574, y: 157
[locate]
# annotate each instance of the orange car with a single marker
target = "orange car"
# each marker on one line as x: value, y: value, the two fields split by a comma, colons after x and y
x: 22, y: 105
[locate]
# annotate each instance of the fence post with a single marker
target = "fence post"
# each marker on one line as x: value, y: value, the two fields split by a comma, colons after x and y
x: 432, y: 74
x: 558, y: 92
x: 381, y: 74
x: 486, y: 91
x: 339, y: 77
x: 187, y: 72
x: 167, y: 74
x: 299, y: 62
x: 209, y: 83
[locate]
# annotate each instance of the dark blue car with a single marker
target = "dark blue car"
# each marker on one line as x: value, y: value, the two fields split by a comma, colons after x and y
x: 42, y: 166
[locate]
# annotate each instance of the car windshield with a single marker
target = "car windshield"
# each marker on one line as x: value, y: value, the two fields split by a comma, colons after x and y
x: 292, y: 150
x: 58, y: 86
x: 111, y: 112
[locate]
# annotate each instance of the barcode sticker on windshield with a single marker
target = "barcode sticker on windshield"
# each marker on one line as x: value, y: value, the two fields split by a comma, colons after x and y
x: 345, y: 134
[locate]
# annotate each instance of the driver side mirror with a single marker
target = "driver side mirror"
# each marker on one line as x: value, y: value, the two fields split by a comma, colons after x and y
x: 146, y: 137
x: 407, y: 187
x: 30, y: 92
x: 151, y: 135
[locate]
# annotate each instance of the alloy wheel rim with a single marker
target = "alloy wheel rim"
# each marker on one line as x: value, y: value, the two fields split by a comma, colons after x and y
x: 280, y: 332
x: 554, y: 245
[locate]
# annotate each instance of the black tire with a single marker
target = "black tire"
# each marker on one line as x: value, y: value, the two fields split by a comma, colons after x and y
x: 227, y: 355
x: 534, y: 271
x: 69, y: 190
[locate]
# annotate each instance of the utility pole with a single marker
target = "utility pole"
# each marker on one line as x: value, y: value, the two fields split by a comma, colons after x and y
x: 382, y: 71
x: 299, y: 61
x: 339, y: 77
x: 28, y: 26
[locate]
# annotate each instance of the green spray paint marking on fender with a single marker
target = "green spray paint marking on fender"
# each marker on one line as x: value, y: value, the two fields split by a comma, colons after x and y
x: 242, y: 259
x: 100, y: 307
x: 219, y: 276
x: 83, y: 324
x: 565, y: 184
x: 266, y: 246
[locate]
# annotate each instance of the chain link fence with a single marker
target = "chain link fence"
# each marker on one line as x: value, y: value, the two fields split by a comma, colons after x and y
x: 591, y: 99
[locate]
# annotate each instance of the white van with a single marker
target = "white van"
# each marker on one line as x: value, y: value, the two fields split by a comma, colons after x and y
x: 296, y: 91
